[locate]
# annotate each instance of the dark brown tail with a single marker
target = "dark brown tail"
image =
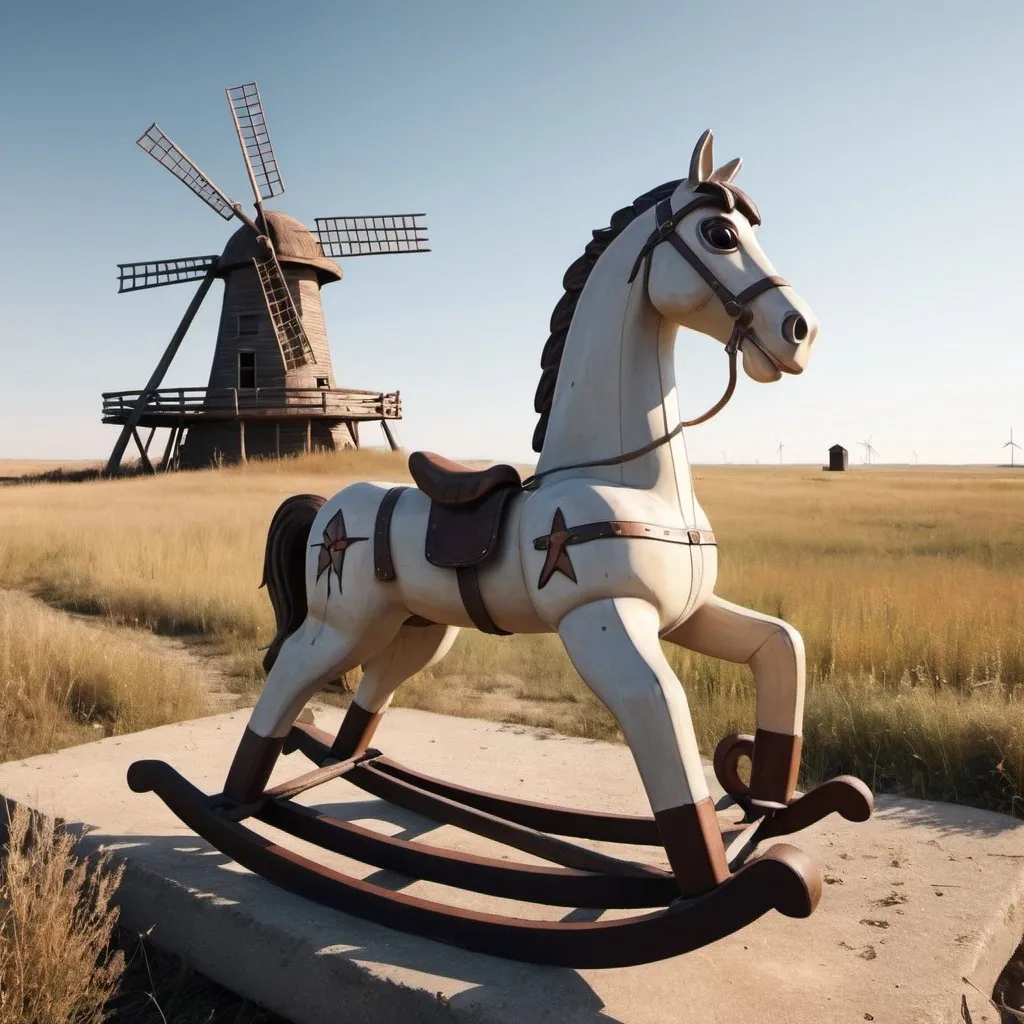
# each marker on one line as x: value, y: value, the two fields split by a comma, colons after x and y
x: 284, y: 566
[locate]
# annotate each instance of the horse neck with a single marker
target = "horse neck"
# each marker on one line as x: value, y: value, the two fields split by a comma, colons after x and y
x: 616, y: 387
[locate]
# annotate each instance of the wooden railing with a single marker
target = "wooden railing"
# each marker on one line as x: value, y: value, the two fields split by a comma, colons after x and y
x: 245, y: 402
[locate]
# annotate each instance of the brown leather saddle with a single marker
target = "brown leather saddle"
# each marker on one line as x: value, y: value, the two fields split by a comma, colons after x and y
x: 464, y: 528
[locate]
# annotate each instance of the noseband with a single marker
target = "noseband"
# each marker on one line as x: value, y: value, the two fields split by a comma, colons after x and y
x: 723, y: 196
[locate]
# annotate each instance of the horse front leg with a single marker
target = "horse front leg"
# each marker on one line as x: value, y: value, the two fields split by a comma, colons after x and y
x: 614, y: 646
x: 774, y: 650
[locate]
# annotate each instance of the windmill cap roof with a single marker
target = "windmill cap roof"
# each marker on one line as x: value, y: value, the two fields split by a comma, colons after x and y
x: 293, y: 243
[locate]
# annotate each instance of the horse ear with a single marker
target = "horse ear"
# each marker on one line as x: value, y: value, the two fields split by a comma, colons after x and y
x: 727, y: 172
x: 702, y: 162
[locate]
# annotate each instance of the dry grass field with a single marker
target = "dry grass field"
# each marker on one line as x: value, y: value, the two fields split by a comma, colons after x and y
x: 905, y: 583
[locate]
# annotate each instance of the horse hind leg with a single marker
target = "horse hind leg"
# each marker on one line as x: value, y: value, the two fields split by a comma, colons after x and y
x: 614, y: 646
x: 414, y: 649
x: 312, y: 656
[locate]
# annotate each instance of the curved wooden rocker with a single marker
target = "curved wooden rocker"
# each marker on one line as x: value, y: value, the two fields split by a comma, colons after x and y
x: 844, y: 795
x: 783, y: 878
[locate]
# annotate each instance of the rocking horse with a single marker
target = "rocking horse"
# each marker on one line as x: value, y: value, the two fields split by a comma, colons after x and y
x: 604, y: 544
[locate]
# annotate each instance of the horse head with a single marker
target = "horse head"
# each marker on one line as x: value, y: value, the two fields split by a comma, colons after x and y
x: 724, y: 285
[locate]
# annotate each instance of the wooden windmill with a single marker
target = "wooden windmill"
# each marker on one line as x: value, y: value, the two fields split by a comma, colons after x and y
x: 271, y: 389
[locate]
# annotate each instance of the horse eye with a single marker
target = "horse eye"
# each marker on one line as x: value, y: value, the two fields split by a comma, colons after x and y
x: 719, y: 234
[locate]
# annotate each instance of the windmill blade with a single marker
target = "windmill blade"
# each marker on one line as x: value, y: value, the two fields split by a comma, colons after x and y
x: 371, y: 236
x: 251, y: 126
x: 291, y: 336
x: 166, y: 153
x: 134, y: 277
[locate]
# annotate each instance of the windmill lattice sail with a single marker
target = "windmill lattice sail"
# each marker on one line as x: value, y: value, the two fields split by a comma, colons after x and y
x: 371, y: 236
x: 156, y: 273
x: 288, y: 329
x: 251, y: 126
x: 168, y: 154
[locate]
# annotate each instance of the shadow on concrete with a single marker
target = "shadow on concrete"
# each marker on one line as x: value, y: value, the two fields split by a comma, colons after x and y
x: 945, y: 819
x: 523, y: 991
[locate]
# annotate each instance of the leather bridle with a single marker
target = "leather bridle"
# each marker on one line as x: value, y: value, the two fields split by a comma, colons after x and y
x: 708, y: 193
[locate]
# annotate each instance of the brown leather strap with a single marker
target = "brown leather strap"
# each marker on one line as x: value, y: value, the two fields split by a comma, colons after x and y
x: 469, y: 589
x: 619, y: 528
x: 383, y: 565
x: 715, y: 194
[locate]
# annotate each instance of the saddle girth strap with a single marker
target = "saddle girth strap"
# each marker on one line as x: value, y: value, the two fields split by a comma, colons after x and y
x: 473, y: 599
x: 383, y: 564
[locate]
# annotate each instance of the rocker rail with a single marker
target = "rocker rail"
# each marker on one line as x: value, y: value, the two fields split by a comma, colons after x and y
x: 845, y: 795
x: 783, y: 879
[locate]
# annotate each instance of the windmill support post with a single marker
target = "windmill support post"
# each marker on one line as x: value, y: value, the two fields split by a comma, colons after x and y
x: 166, y: 463
x: 389, y: 435
x: 143, y: 455
x: 114, y: 462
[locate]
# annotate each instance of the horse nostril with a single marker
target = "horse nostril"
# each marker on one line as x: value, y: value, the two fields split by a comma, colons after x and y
x: 794, y: 328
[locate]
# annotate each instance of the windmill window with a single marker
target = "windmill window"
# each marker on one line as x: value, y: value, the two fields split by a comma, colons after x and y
x: 248, y: 323
x: 246, y: 370
x: 322, y: 382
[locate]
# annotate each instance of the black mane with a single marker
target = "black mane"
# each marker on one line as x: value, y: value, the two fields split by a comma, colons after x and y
x: 573, y: 281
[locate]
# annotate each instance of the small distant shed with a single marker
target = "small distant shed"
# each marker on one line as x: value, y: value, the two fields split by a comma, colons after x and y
x: 838, y: 459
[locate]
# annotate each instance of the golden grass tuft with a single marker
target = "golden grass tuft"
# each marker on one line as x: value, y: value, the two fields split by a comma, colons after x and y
x: 62, y: 683
x: 56, y: 925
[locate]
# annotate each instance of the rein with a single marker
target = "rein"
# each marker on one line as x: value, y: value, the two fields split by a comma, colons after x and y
x: 736, y: 306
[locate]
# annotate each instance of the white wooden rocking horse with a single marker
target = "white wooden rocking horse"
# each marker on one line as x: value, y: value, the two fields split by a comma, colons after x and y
x: 606, y: 545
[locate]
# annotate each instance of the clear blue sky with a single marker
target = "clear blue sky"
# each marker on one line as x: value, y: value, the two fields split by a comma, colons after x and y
x: 882, y: 141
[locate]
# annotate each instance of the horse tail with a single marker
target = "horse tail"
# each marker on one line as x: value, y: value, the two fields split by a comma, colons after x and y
x: 284, y: 567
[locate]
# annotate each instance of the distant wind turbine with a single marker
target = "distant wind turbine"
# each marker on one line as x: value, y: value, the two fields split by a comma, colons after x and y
x: 1011, y: 444
x: 915, y: 458
x: 869, y: 450
x: 779, y: 450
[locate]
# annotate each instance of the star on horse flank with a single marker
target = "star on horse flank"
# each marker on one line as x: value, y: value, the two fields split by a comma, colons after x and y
x: 605, y: 545
x: 332, y: 547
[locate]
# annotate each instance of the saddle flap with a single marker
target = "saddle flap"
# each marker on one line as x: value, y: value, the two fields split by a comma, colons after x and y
x: 466, y: 535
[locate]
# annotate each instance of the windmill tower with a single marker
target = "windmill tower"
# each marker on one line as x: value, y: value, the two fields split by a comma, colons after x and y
x: 869, y: 450
x: 1011, y: 444
x: 271, y: 389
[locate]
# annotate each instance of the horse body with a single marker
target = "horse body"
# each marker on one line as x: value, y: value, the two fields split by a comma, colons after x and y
x: 609, y: 391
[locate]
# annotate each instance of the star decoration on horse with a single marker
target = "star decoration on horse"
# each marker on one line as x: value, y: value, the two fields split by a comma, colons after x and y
x: 557, y: 558
x: 332, y: 547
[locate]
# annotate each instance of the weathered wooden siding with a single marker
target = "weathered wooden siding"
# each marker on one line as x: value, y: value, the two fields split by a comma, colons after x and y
x: 242, y: 294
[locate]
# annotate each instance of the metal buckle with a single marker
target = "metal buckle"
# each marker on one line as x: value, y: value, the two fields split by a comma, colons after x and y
x: 694, y: 536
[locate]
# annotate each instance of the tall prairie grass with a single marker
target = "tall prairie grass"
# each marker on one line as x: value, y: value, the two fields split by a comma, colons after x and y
x: 62, y: 683
x: 57, y: 965
x: 906, y: 585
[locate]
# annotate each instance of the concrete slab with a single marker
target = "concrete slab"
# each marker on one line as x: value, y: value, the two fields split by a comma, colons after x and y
x: 917, y: 899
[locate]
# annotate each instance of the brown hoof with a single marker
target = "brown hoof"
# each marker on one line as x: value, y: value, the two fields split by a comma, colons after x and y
x: 726, y: 759
x: 254, y: 761
x: 774, y: 768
